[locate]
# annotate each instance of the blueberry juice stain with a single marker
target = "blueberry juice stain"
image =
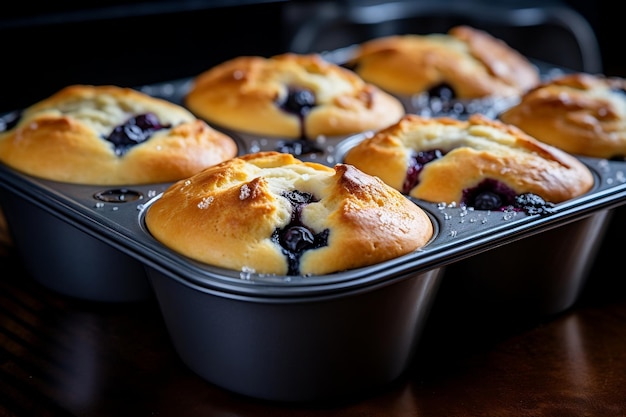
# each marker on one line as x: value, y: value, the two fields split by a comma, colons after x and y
x: 443, y: 91
x: 296, y: 238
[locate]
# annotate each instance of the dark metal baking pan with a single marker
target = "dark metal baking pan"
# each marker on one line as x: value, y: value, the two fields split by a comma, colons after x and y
x: 292, y: 338
x: 274, y: 337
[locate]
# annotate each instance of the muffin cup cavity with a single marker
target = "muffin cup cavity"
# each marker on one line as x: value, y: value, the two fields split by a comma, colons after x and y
x: 69, y: 258
x: 313, y: 348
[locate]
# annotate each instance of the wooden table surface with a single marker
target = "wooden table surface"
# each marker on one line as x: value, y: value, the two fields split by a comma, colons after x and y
x: 65, y: 357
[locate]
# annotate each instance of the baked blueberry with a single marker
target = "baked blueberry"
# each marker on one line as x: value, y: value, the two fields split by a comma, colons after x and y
x: 489, y: 195
x: 299, y: 101
x: 443, y: 91
x: 494, y: 195
x: 296, y: 238
x: 416, y: 164
x: 134, y: 131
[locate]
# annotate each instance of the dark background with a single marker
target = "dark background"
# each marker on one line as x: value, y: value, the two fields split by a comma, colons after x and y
x: 48, y: 45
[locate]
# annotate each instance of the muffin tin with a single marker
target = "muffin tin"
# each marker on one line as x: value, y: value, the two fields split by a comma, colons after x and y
x: 294, y: 338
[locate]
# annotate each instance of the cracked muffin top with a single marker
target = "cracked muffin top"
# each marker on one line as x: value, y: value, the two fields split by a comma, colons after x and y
x: 479, y: 162
x: 110, y: 135
x: 465, y: 62
x: 290, y: 96
x: 271, y: 213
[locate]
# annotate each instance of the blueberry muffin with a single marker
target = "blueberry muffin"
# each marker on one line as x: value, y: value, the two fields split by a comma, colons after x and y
x: 448, y: 72
x: 271, y: 213
x: 290, y: 96
x: 583, y: 114
x: 109, y: 135
x: 479, y: 162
